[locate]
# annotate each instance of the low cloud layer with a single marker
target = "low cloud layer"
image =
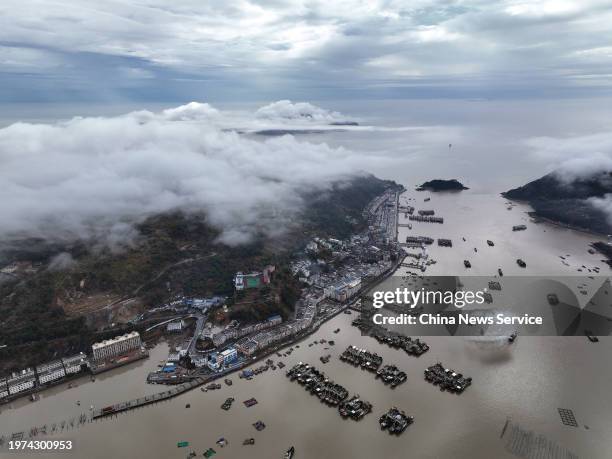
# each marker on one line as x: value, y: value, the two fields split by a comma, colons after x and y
x: 285, y: 110
x: 61, y: 262
x: 578, y: 158
x: 94, y: 178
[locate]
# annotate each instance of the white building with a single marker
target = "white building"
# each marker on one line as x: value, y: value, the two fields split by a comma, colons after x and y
x: 21, y: 382
x: 175, y: 326
x: 50, y: 371
x: 3, y: 389
x: 116, y: 346
x: 74, y: 364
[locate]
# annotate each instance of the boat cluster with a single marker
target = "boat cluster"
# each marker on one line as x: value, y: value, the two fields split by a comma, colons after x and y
x: 248, y: 374
x: 395, y: 421
x: 315, y: 382
x: 494, y: 285
x: 354, y: 408
x: 419, y: 240
x: 426, y: 219
x: 227, y: 404
x: 411, y: 346
x: 390, y: 374
x: 414, y: 347
x: 211, y: 386
x: 447, y: 379
x: 361, y: 358
x: 329, y: 392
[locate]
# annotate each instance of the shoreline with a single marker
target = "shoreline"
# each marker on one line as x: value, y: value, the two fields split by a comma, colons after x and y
x: 539, y: 219
x: 199, y: 380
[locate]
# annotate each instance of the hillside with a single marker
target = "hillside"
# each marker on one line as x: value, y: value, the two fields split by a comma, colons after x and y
x: 567, y: 202
x: 51, y: 312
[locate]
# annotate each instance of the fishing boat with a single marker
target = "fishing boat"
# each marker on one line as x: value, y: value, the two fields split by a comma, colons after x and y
x: 290, y: 453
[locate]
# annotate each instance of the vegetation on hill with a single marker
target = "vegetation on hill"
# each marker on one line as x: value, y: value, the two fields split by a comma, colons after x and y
x: 442, y: 185
x: 567, y: 202
x: 51, y: 313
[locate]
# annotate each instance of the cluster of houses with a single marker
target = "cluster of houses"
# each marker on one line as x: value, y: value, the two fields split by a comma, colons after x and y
x: 234, y: 331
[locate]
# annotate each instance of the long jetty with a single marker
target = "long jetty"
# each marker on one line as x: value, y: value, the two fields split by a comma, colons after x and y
x: 147, y: 399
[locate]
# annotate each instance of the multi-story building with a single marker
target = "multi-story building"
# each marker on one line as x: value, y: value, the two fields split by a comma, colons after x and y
x: 116, y: 346
x: 175, y: 326
x: 229, y: 355
x: 75, y: 363
x: 22, y: 381
x: 4, y: 392
x: 213, y: 361
x: 234, y: 332
x: 50, y: 371
x: 246, y: 346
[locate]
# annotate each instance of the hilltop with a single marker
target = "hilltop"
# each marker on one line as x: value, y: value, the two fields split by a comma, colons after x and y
x: 567, y: 201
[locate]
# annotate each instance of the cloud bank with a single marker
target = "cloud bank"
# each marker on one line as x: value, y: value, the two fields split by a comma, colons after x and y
x: 285, y: 110
x: 161, y: 49
x: 94, y: 178
x: 579, y: 158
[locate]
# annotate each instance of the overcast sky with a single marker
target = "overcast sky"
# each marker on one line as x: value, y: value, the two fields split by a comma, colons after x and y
x: 162, y: 50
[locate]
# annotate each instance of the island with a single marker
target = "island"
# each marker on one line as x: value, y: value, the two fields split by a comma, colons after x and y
x: 442, y: 185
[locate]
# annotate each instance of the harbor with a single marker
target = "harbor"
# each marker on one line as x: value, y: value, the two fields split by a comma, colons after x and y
x: 508, y: 383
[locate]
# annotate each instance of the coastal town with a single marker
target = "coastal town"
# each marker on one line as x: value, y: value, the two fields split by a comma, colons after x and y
x: 204, y: 353
x: 333, y: 272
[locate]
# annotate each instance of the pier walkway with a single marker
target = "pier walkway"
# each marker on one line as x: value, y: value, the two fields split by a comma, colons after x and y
x: 148, y: 399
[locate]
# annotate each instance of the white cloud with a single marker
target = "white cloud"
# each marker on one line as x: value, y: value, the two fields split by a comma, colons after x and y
x: 280, y: 44
x: 579, y: 152
x: 577, y: 158
x: 61, y: 262
x: 285, y: 110
x: 93, y: 178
